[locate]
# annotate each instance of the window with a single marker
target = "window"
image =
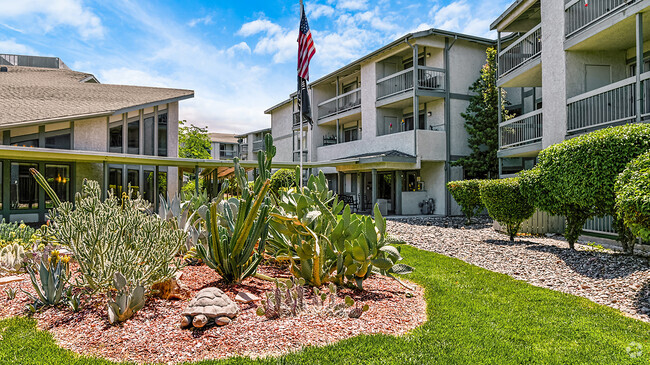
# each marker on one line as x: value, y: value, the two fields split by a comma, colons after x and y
x: 58, y: 176
x: 115, y: 181
x: 148, y: 136
x: 61, y: 141
x: 407, y: 122
x: 162, y: 135
x: 390, y: 125
x: 408, y: 63
x: 162, y: 183
x: 31, y: 142
x: 385, y: 185
x: 115, y: 139
x: 133, y: 137
x: 133, y: 180
x: 411, y: 181
x: 350, y: 134
x: 517, y: 164
x: 147, y: 188
x: 24, y: 192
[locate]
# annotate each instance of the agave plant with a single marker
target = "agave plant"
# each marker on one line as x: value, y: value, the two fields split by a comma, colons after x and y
x: 53, y: 271
x: 174, y: 210
x: 127, y: 302
x: 237, y: 229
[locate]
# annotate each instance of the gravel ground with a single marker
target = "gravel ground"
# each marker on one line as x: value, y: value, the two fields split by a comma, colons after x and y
x: 603, y: 276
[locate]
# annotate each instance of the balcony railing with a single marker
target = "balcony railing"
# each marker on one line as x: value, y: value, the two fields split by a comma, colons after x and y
x: 258, y: 145
x: 527, y: 47
x: 608, y: 105
x: 429, y: 78
x: 578, y: 15
x: 227, y: 154
x: 525, y: 129
x: 340, y: 104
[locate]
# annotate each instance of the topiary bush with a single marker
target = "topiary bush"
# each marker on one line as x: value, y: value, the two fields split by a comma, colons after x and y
x: 468, y: 195
x: 505, y: 203
x: 633, y: 196
x: 575, y: 178
x: 283, y: 178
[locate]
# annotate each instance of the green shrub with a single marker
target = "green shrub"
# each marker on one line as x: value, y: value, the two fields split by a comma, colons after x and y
x: 575, y: 178
x: 283, y: 178
x: 505, y: 204
x: 633, y: 196
x: 117, y: 236
x: 15, y: 232
x: 468, y: 195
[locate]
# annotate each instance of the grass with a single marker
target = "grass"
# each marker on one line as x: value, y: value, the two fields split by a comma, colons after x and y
x: 474, y: 317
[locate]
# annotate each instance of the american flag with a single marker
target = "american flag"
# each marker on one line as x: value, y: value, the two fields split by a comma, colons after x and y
x: 306, y: 47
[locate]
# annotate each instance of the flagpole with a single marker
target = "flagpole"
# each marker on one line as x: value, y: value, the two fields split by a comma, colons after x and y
x: 300, y: 104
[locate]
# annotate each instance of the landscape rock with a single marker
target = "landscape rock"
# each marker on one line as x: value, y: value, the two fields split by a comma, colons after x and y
x: 244, y: 297
x: 10, y: 279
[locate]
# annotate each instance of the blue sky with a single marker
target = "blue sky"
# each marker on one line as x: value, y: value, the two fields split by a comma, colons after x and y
x: 238, y: 56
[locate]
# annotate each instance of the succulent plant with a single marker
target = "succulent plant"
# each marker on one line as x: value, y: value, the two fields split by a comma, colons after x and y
x: 285, y: 299
x: 11, y: 293
x: 178, y: 212
x: 74, y: 300
x: 237, y: 229
x: 12, y: 258
x: 127, y: 301
x: 53, y: 271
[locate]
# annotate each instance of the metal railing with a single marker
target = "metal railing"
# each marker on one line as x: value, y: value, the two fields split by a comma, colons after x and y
x: 258, y: 145
x: 578, y: 15
x: 525, y: 129
x: 527, y: 47
x: 431, y: 78
x: 608, y: 105
x: 227, y: 154
x: 340, y: 104
x: 600, y: 225
x: 395, y: 83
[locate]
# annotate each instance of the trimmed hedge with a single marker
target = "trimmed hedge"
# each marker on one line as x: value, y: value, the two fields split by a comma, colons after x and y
x: 283, y: 178
x: 468, y: 195
x: 575, y: 178
x: 633, y: 196
x: 505, y: 203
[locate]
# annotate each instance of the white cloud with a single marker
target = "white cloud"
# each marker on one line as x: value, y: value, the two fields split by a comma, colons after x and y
x: 258, y: 26
x: 239, y: 47
x: 10, y: 46
x: 352, y: 4
x: 315, y: 11
x: 49, y: 14
x: 206, y: 20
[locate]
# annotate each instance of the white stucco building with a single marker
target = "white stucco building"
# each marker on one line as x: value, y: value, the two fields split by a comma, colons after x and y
x: 376, y: 148
x: 578, y: 66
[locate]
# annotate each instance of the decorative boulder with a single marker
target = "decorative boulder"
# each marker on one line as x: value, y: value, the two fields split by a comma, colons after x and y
x: 210, y: 306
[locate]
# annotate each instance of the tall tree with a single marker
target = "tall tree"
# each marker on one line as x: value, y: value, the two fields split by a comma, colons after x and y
x: 193, y: 141
x: 482, y: 123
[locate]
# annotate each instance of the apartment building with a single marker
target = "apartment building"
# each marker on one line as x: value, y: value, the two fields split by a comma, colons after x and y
x: 69, y: 126
x: 223, y: 146
x: 256, y: 141
x: 387, y: 126
x: 578, y: 65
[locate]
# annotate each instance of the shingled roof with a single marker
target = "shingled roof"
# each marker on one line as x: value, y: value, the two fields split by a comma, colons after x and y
x: 30, y: 94
x: 223, y: 137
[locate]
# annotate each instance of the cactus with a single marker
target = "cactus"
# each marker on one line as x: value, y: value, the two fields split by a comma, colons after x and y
x: 117, y: 235
x: 237, y: 229
x: 178, y: 213
x: 12, y: 258
x: 127, y: 302
x: 52, y: 277
x: 285, y: 299
x: 48, y: 189
x: 11, y: 293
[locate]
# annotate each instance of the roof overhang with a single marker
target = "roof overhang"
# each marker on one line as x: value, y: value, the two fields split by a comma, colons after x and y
x: 517, y: 18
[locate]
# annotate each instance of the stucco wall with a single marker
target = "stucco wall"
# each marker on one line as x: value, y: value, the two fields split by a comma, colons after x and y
x: 576, y: 63
x: 553, y: 72
x: 281, y: 130
x: 172, y: 147
x: 91, y: 134
x: 433, y: 175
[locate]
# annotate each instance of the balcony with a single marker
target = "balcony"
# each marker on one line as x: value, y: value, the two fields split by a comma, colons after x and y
x: 519, y: 55
x: 258, y: 145
x: 429, y: 78
x: 578, y: 17
x: 606, y: 106
x: 340, y: 104
x: 227, y: 155
x: 520, y: 131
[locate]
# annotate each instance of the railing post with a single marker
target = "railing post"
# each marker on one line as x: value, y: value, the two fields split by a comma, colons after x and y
x: 639, y: 65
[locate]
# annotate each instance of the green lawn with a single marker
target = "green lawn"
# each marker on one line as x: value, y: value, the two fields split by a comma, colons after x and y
x: 475, y: 316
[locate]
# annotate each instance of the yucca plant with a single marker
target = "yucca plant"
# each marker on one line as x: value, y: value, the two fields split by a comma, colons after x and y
x: 53, y: 271
x: 237, y: 229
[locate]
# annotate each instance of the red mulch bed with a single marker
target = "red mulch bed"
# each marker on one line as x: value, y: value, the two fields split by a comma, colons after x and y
x: 153, y: 334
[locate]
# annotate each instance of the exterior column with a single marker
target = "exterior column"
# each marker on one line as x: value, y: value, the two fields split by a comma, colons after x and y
x: 338, y: 131
x: 398, y: 192
x: 639, y: 65
x: 374, y: 188
x: 196, y: 179
x: 499, y: 101
x: 416, y: 100
x: 360, y: 189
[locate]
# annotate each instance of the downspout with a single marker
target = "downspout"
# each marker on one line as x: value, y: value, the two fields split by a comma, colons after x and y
x: 447, y: 126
